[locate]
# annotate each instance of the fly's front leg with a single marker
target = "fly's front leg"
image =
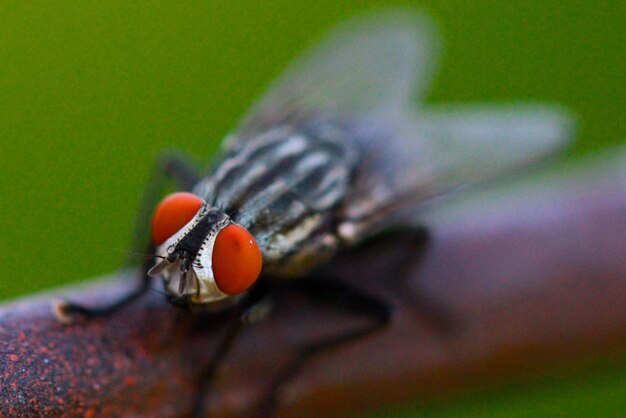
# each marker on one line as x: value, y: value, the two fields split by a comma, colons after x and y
x: 338, y: 295
x: 171, y: 168
x: 255, y: 307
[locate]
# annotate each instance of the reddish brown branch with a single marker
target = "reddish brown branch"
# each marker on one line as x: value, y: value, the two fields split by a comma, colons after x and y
x: 536, y: 280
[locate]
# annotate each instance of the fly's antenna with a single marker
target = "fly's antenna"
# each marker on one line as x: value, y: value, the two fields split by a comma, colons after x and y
x: 164, y: 263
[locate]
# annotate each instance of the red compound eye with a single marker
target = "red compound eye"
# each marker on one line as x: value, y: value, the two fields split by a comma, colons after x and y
x: 237, y: 260
x: 172, y: 214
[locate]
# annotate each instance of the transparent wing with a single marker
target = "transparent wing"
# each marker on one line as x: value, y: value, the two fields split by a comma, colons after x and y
x: 367, y: 65
x: 415, y: 157
x: 472, y: 143
x: 369, y: 70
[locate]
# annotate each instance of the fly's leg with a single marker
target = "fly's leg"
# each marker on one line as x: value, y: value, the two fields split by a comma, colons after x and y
x: 170, y: 168
x: 234, y: 329
x: 68, y: 308
x: 256, y: 307
x: 403, y: 249
x: 415, y: 241
x: 341, y: 296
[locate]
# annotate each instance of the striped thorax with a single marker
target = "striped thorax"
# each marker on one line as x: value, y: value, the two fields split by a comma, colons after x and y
x: 285, y: 186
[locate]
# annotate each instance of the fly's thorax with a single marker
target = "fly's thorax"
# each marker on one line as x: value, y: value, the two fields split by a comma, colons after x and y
x: 286, y: 183
x: 188, y: 257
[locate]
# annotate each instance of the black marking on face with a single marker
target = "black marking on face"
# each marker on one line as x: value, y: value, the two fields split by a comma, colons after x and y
x: 193, y: 241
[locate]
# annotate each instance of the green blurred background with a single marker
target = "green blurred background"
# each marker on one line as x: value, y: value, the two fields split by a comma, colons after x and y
x: 91, y: 92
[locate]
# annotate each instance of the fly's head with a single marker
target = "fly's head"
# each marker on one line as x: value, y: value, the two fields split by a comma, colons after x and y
x: 203, y: 257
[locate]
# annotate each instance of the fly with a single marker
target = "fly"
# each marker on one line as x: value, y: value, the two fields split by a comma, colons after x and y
x: 335, y: 152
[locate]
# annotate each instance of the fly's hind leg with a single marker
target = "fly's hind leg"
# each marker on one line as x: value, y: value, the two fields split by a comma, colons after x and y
x: 338, y: 295
x: 415, y: 241
x: 403, y: 249
x: 170, y: 168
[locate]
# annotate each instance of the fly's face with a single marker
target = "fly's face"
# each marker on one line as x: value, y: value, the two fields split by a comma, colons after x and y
x: 203, y: 256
